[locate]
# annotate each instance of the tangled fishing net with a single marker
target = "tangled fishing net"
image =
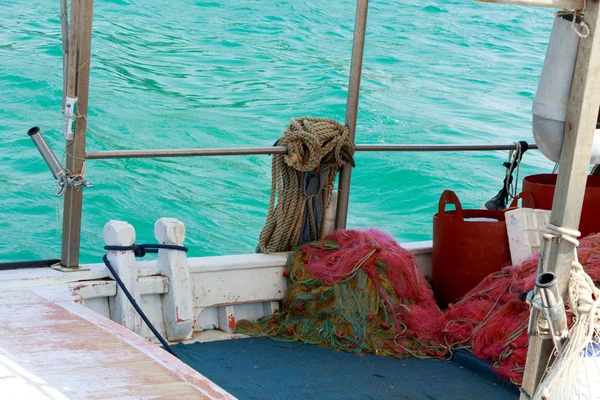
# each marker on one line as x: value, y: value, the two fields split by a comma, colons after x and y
x: 356, y: 291
x: 491, y: 320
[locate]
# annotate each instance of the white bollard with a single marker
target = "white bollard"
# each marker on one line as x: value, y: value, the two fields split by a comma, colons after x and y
x: 177, y: 304
x: 120, y: 233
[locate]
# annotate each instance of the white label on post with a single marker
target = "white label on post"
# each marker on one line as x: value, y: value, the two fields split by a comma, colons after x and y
x: 69, y: 114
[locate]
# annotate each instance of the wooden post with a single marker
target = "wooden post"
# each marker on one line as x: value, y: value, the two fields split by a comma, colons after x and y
x: 79, y: 72
x: 120, y: 233
x: 358, y: 45
x: 582, y: 115
x: 178, y: 303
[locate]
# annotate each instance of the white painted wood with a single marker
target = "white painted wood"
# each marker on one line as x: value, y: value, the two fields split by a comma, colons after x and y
x: 566, y: 4
x: 99, y: 305
x: 120, y: 233
x: 582, y: 114
x: 235, y: 262
x: 217, y: 282
x: 422, y: 252
x: 227, y: 320
x: 94, y: 289
x: 253, y: 311
x: 213, y: 336
x: 57, y: 349
x: 525, y: 228
x: 32, y: 277
x: 178, y: 303
x: 151, y: 304
x: 206, y: 319
x: 271, y: 307
x: 153, y: 285
x: 417, y: 248
x: 237, y: 284
x: 147, y: 268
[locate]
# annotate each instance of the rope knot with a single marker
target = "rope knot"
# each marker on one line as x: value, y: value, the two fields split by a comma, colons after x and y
x: 312, y: 141
x: 570, y: 235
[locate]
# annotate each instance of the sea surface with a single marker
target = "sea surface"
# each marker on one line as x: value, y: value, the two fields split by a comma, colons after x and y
x: 188, y: 73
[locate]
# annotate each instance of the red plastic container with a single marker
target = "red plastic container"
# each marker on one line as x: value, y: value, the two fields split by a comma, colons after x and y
x: 465, y: 250
x: 542, y: 188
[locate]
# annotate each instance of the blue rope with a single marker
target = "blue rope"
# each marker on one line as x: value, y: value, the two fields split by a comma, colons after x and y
x: 524, y: 393
x: 140, y: 251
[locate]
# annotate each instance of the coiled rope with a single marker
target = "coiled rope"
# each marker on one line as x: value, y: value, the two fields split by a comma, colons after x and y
x: 313, y: 144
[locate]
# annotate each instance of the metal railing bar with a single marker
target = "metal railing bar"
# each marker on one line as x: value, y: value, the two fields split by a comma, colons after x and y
x: 112, y: 154
x: 438, y: 147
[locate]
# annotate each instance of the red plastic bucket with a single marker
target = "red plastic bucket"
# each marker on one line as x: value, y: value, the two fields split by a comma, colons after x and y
x: 542, y: 188
x: 465, y: 250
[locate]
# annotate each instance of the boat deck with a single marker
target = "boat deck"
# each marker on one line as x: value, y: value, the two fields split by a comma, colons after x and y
x: 264, y: 369
x: 56, y: 349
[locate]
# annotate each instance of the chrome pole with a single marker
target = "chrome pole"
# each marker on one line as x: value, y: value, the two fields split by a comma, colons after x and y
x: 103, y: 155
x: 358, y: 46
x: 553, y: 307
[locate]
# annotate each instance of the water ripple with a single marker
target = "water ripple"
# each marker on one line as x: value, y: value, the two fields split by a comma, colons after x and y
x: 221, y: 74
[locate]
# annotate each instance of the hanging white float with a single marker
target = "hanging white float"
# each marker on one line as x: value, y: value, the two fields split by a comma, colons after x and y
x: 552, y: 96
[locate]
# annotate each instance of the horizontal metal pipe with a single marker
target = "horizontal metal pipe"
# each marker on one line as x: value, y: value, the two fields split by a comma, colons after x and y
x: 28, y: 264
x: 437, y: 147
x: 100, y: 155
x: 564, y: 4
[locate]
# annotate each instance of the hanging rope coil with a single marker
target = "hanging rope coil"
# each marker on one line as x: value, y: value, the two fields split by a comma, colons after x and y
x: 317, y: 146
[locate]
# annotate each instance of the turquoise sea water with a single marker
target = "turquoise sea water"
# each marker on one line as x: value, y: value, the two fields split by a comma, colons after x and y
x: 191, y: 73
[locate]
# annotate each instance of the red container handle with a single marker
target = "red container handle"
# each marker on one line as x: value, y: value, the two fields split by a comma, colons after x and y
x: 449, y: 197
x: 528, y: 201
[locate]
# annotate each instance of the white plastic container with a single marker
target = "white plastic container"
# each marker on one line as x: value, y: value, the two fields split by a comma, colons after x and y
x: 525, y: 228
x: 552, y: 96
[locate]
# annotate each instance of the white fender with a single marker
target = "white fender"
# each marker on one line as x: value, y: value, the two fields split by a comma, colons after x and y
x: 552, y: 96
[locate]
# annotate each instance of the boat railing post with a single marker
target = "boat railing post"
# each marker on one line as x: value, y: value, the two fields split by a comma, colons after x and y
x: 64, y: 22
x: 79, y: 71
x: 584, y: 102
x: 358, y: 45
x: 120, y: 233
x: 178, y: 302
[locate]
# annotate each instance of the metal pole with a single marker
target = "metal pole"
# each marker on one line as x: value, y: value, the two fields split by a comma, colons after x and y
x: 73, y: 42
x: 582, y: 115
x: 65, y: 45
x: 565, y: 4
x: 99, y: 155
x: 71, y: 238
x: 111, y: 154
x: 358, y: 46
x: 438, y: 147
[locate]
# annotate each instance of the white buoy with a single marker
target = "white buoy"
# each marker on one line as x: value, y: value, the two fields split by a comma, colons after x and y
x: 552, y: 96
